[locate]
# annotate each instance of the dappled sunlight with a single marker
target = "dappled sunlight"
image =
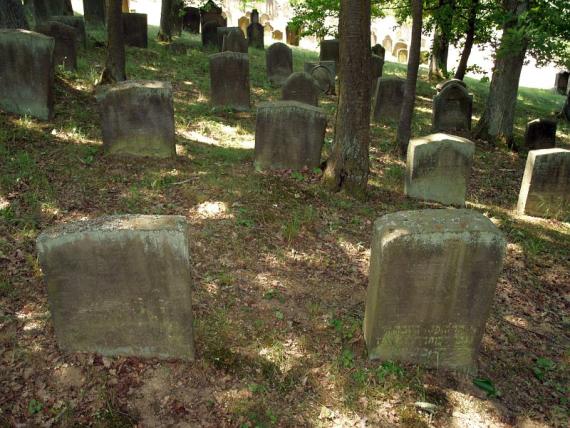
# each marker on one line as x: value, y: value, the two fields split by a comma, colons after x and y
x: 212, y: 210
x: 4, y: 203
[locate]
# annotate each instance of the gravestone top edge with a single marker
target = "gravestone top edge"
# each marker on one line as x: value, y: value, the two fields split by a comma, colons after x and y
x: 230, y: 54
x: 288, y: 104
x: 127, y: 85
x: 24, y: 33
x: 440, y: 137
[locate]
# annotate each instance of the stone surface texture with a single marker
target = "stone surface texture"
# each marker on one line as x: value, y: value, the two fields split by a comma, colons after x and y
x: 279, y: 63
x: 330, y: 51
x: 76, y: 22
x: 255, y: 35
x: 65, y: 36
x: 452, y: 108
x: 229, y: 80
x: 135, y: 29
x: 540, y: 134
x: 301, y: 87
x: 235, y: 41
x: 324, y: 73
x: 388, y: 97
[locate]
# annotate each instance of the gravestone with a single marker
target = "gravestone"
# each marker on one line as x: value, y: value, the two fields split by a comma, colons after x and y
x: 65, y: 36
x: 255, y: 32
x: 267, y: 29
x: 229, y: 80
x: 42, y: 10
x: 211, y: 12
x: 301, y: 87
x: 387, y: 43
x: 137, y: 118
x: 431, y: 311
x: 279, y: 63
x: 26, y: 73
x: 235, y: 41
x: 120, y: 285
x: 441, y: 85
x: 379, y: 51
x: 221, y: 33
x: 324, y: 73
x: 540, y: 134
x: 388, y: 97
x: 438, y: 168
x: 376, y: 65
x: 545, y: 189
x: 561, y: 82
x: 135, y: 29
x: 452, y: 109
x: 76, y: 22
x: 264, y: 19
x: 191, y: 20
x: 254, y: 16
x: 243, y: 22
x: 94, y: 12
x: 12, y: 15
x: 402, y: 56
x: 277, y: 35
x: 210, y: 34
x: 292, y: 34
x: 330, y: 51
x: 289, y: 135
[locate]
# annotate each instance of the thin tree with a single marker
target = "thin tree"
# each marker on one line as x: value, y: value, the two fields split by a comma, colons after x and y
x: 406, y: 115
x: 166, y: 18
x: 469, y: 39
x: 442, y: 33
x: 347, y: 167
x: 114, y: 70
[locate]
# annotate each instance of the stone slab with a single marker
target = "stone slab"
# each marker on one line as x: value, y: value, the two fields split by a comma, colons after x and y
x: 388, y: 98
x: 229, y: 80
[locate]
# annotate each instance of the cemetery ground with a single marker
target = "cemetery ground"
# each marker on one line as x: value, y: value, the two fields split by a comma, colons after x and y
x: 280, y: 271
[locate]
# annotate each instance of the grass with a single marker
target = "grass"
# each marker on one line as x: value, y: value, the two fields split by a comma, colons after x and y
x: 280, y: 269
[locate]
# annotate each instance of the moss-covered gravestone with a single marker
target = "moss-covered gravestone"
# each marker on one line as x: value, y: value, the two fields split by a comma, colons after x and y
x: 229, y: 80
x: 279, y: 63
x: 120, y: 285
x: 432, y: 280
x: 137, y: 118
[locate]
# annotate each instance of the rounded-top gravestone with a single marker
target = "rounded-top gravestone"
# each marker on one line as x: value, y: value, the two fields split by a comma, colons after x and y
x: 279, y: 63
x: 65, y: 36
x: 388, y: 97
x: 540, y: 134
x: 235, y: 41
x: 452, y: 108
x: 301, y: 87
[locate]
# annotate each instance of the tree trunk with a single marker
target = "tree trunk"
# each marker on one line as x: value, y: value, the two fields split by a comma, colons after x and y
x: 469, y: 38
x: 566, y: 109
x: 497, y: 121
x: 347, y: 167
x: 115, y: 63
x: 405, y: 124
x: 438, y: 58
x: 166, y: 17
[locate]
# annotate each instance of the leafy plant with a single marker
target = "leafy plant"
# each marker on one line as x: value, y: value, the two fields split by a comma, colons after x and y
x: 389, y: 368
x: 542, y: 367
x: 34, y: 406
x: 487, y: 386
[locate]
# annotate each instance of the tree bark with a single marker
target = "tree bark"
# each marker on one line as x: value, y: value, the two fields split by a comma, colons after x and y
x: 566, y: 109
x: 166, y: 18
x: 405, y: 124
x: 347, y: 167
x: 114, y: 70
x: 469, y: 39
x: 438, y: 57
x: 497, y: 121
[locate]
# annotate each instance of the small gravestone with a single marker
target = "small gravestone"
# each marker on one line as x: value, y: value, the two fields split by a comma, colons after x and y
x: 376, y: 65
x: 94, y: 12
x: 191, y: 20
x: 545, y: 189
x: 379, y: 51
x: 229, y: 80
x: 388, y: 97
x: 210, y: 34
x: 135, y: 29
x: 137, y: 118
x: 243, y: 22
x: 438, y: 168
x: 324, y: 73
x: 277, y: 35
x: 279, y: 63
x: 292, y: 35
x: 402, y: 56
x: 289, y: 135
x: 255, y: 32
x: 12, y: 15
x: 540, y: 134
x: 452, y: 109
x: 211, y: 12
x: 221, y: 33
x: 330, y: 51
x: 561, y: 82
x: 235, y: 41
x: 120, y: 285
x: 26, y: 73
x: 76, y: 22
x: 267, y: 29
x: 65, y: 36
x: 432, y: 280
x: 301, y: 87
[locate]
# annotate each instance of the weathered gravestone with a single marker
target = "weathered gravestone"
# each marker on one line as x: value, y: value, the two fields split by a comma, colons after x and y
x: 292, y: 34
x: 289, y: 135
x: 65, y: 36
x: 120, y: 285
x: 432, y: 280
x: 211, y: 12
x: 26, y: 73
x: 301, y: 87
x: 255, y: 32
x: 561, y: 82
x: 229, y: 80
x: 243, y: 22
x: 137, y: 118
x: 210, y: 34
x: 191, y: 19
x: 402, y: 56
x: 279, y: 63
x: 324, y: 73
x: 330, y: 51
x: 76, y: 22
x: 379, y: 51
x: 540, y: 134
x: 545, y: 189
x: 12, y: 15
x: 452, y: 109
x: 94, y: 12
x: 178, y: 47
x: 441, y: 85
x: 135, y: 29
x: 221, y: 33
x: 376, y: 65
x: 235, y: 41
x: 277, y: 35
x: 438, y: 168
x: 388, y: 97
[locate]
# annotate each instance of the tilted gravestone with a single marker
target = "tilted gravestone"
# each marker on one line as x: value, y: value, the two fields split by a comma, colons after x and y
x: 65, y: 36
x: 379, y: 51
x: 540, y: 134
x: 255, y: 35
x: 229, y: 80
x: 12, y: 15
x: 137, y: 118
x: 94, y: 11
x: 376, y: 65
x: 191, y: 19
x: 301, y: 87
x: 235, y: 41
x: 289, y: 135
x: 330, y: 51
x: 26, y: 73
x: 135, y: 29
x: 452, y: 109
x: 545, y: 189
x: 292, y: 35
x: 561, y: 82
x: 221, y: 33
x: 388, y: 98
x: 431, y: 311
x: 438, y: 168
x: 76, y: 22
x: 120, y: 285
x: 210, y: 34
x: 324, y: 73
x: 279, y: 63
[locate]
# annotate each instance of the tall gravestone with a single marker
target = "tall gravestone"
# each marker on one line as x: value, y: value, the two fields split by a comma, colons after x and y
x: 292, y: 35
x: 94, y: 12
x: 12, y: 15
x: 452, y: 109
x: 235, y: 41
x: 26, y: 73
x: 561, y: 82
x: 324, y: 73
x: 120, y: 285
x: 289, y: 135
x: 540, y: 134
x: 388, y: 97
x: 135, y: 29
x: 431, y: 311
x: 76, y: 22
x: 65, y: 36
x: 137, y: 118
x: 545, y: 189
x: 229, y: 80
x: 255, y: 32
x: 301, y: 87
x: 330, y: 51
x: 438, y: 168
x: 221, y: 33
x: 191, y: 20
x: 279, y: 63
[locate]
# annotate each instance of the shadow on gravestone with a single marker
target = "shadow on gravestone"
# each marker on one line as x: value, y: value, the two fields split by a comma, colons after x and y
x: 540, y: 134
x: 210, y: 34
x: 229, y: 80
x: 301, y: 87
x: 452, y: 108
x: 235, y: 41
x: 65, y: 36
x: 279, y: 63
x: 12, y: 15
x: 388, y: 97
x: 330, y: 51
x: 76, y: 22
x: 135, y: 29
x: 377, y: 66
x: 221, y: 33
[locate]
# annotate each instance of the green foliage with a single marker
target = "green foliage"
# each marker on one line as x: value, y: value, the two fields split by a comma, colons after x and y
x: 542, y: 367
x: 389, y: 369
x: 487, y: 386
